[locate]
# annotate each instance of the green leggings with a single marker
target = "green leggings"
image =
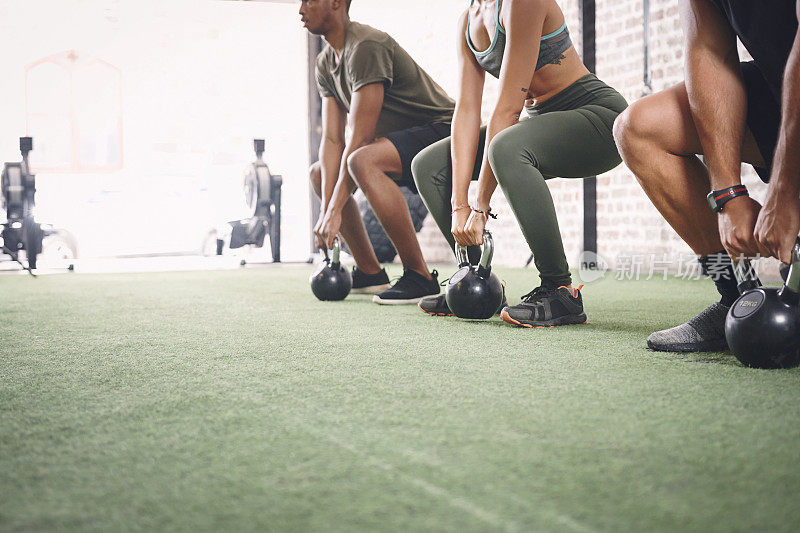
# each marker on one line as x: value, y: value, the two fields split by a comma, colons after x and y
x: 569, y: 136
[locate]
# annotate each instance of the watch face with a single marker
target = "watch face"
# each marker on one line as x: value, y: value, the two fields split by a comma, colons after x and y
x: 712, y: 202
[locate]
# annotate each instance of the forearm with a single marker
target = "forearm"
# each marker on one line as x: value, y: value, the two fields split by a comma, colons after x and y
x: 718, y: 104
x: 464, y: 147
x: 330, y: 157
x: 487, y: 183
x: 786, y: 164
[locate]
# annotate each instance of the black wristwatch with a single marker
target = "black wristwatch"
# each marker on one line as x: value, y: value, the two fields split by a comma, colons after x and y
x: 717, y: 199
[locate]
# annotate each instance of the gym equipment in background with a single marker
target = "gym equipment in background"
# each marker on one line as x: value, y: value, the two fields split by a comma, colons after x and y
x: 262, y: 192
x: 20, y: 231
x: 763, y: 325
x: 331, y: 281
x: 475, y: 292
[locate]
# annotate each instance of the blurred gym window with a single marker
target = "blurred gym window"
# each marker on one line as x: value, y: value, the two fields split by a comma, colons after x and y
x: 74, y: 111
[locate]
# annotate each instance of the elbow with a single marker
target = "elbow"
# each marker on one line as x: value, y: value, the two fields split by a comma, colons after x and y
x: 507, y: 110
x: 505, y: 116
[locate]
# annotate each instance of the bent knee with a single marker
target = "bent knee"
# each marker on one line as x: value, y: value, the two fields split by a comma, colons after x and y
x: 423, y: 166
x: 507, y: 146
x: 419, y: 166
x: 638, y: 123
x: 359, y: 162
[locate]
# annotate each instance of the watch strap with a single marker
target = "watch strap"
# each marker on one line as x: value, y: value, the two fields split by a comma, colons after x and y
x: 718, y: 199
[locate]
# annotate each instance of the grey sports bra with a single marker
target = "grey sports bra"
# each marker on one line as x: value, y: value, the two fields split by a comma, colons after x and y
x: 550, y: 49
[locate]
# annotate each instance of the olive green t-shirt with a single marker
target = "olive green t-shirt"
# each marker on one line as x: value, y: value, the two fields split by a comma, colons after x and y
x: 411, y: 98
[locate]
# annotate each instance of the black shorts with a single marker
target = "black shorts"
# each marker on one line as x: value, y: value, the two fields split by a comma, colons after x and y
x: 763, y: 115
x: 410, y: 142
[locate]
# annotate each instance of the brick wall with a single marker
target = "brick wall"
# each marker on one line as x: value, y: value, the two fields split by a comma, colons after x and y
x: 628, y: 224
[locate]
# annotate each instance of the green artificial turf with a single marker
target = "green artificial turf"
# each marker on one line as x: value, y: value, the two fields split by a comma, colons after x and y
x: 236, y: 401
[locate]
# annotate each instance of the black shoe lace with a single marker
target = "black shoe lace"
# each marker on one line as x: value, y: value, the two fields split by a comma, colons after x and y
x: 536, y: 294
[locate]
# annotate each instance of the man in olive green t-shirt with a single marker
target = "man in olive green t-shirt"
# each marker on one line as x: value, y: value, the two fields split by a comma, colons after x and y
x: 393, y: 110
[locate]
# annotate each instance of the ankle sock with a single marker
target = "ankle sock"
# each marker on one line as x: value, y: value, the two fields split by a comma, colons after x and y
x: 719, y: 267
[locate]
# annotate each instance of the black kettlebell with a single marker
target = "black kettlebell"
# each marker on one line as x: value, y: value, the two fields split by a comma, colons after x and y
x: 763, y: 325
x: 474, y: 291
x: 331, y: 281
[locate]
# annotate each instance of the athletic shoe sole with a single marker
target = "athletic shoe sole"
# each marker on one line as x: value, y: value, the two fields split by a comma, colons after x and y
x: 372, y: 289
x: 560, y: 321
x: 433, y: 314
x: 710, y: 346
x: 381, y: 301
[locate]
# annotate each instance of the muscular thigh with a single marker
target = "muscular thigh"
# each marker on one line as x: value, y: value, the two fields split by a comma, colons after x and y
x: 569, y: 144
x: 667, y: 118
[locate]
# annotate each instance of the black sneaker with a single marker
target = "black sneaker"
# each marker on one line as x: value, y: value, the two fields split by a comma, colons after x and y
x: 369, y: 283
x: 703, y: 333
x: 437, y: 305
x: 409, y: 289
x: 546, y: 308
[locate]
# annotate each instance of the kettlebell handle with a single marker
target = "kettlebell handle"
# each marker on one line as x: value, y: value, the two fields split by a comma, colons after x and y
x: 793, y: 278
x: 337, y: 249
x: 488, y: 251
x: 747, y: 279
x: 486, y: 254
x: 462, y: 256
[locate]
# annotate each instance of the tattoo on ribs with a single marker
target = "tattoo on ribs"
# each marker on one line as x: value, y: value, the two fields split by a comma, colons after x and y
x: 557, y: 60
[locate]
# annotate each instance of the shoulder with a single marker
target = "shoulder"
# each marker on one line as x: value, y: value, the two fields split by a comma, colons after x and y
x: 463, y: 19
x: 526, y: 6
x: 522, y: 4
x: 521, y: 13
x: 362, y: 33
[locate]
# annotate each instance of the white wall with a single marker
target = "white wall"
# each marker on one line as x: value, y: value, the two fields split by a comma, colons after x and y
x: 201, y: 79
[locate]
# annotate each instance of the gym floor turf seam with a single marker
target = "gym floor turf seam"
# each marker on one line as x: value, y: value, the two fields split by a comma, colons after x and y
x: 456, y: 501
x: 459, y: 502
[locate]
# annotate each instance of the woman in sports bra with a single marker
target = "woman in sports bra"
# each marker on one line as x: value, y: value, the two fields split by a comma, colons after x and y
x: 567, y: 133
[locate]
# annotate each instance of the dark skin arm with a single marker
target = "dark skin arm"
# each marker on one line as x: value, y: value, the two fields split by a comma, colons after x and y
x: 331, y: 149
x: 779, y: 221
x: 365, y: 109
x: 719, y: 107
x: 524, y: 22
